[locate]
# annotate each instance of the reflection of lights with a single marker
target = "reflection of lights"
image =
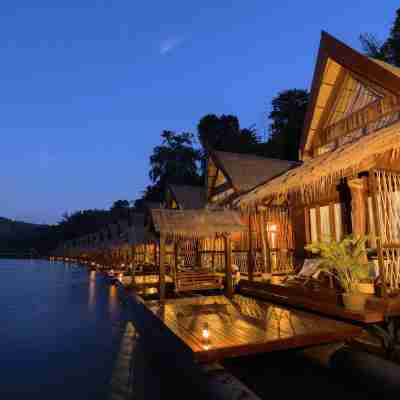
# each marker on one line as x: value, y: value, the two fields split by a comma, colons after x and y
x: 92, y: 290
x: 206, y: 336
x: 113, y: 303
x: 272, y: 228
x: 206, y: 332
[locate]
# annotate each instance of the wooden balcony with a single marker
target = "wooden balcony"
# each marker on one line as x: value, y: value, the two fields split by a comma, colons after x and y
x: 374, y: 116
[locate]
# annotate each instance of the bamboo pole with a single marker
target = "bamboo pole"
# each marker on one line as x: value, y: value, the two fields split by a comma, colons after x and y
x: 250, y: 261
x: 378, y: 230
x: 264, y: 246
x: 228, y: 267
x: 162, y: 269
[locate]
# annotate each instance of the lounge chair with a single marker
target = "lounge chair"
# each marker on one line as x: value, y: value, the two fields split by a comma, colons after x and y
x: 308, y: 283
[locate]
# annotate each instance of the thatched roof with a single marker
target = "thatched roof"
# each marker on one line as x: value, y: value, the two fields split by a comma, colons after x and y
x: 188, y: 197
x: 334, y: 57
x: 196, y: 223
x: 312, y: 178
x: 246, y: 171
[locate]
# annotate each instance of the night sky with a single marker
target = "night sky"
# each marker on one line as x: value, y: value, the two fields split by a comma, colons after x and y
x: 87, y: 86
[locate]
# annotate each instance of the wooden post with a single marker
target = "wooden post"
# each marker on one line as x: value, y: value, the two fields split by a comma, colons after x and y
x: 318, y: 222
x: 162, y: 269
x: 175, y: 262
x: 155, y: 253
x: 197, y: 257
x: 228, y: 267
x: 264, y: 245
x: 378, y: 232
x: 358, y: 205
x: 250, y: 261
x: 345, y: 200
x: 307, y: 225
x: 133, y: 264
x: 213, y: 254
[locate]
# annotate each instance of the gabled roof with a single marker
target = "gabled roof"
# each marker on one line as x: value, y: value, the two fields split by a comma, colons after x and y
x: 333, y: 57
x: 246, y: 171
x: 188, y: 197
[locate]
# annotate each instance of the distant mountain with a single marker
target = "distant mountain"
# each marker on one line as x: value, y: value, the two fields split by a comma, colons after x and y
x: 18, y: 235
x: 10, y: 229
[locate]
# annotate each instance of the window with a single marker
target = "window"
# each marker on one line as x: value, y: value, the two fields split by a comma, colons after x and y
x: 313, y: 223
x: 338, y: 221
x: 325, y: 222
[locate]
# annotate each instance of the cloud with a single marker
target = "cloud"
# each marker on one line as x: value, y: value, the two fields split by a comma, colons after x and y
x: 170, y: 44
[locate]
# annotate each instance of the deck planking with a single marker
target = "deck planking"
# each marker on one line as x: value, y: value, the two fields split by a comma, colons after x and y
x: 244, y: 326
x: 288, y: 296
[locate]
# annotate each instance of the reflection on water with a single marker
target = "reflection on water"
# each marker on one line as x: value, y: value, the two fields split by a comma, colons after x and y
x: 92, y: 290
x: 122, y: 377
x: 113, y: 302
x: 60, y: 331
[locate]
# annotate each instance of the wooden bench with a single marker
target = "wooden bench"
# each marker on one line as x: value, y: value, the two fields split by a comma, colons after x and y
x: 200, y: 279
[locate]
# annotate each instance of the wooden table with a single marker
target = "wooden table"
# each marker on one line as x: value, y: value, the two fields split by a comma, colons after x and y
x: 242, y: 326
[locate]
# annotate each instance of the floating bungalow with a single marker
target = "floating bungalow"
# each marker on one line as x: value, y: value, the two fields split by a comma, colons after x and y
x: 246, y: 230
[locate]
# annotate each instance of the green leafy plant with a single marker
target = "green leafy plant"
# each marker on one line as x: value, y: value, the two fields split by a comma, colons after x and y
x: 345, y: 260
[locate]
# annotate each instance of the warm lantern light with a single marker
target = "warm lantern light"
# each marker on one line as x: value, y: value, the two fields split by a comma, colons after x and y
x: 206, y: 332
x: 272, y: 228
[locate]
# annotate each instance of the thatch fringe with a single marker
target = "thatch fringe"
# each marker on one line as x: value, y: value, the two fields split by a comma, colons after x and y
x: 315, y: 177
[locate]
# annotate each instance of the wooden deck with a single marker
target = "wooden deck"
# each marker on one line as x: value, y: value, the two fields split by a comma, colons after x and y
x: 243, y: 326
x: 308, y: 301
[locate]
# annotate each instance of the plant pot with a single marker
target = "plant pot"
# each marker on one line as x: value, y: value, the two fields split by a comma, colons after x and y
x: 354, y: 301
x: 366, y: 288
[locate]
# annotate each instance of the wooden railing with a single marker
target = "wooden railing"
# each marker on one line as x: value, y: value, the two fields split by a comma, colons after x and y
x: 367, y: 118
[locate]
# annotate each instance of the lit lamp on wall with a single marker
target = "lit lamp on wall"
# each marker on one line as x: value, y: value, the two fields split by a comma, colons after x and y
x: 272, y: 231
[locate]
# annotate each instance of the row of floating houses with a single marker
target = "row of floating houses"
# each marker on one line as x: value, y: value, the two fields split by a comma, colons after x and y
x: 253, y: 218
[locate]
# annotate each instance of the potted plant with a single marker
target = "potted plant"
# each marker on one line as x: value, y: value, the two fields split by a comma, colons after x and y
x: 346, y: 261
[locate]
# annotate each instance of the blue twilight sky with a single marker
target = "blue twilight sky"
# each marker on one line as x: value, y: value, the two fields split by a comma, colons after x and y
x: 86, y: 86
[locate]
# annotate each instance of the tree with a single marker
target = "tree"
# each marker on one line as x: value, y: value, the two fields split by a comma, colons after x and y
x: 152, y: 193
x: 176, y: 161
x: 389, y: 50
x: 288, y: 112
x: 120, y: 209
x: 373, y: 47
x: 224, y: 133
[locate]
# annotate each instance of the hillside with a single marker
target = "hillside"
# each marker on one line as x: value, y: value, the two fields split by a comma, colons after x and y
x: 12, y: 229
x: 18, y: 234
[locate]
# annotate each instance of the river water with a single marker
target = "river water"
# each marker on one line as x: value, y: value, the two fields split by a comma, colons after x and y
x: 61, y: 327
x: 65, y: 335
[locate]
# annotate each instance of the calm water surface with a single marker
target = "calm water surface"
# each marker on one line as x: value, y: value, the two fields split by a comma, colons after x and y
x: 60, y: 331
